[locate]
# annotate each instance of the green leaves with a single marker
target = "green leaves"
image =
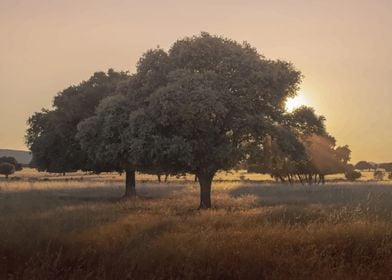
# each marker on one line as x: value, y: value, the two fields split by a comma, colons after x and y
x: 6, y: 168
x: 51, y: 134
x: 214, y: 97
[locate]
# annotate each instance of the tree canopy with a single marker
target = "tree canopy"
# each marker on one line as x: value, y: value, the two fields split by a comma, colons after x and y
x: 6, y: 169
x: 308, y: 153
x: 387, y: 166
x: 13, y: 161
x: 51, y: 133
x: 363, y: 165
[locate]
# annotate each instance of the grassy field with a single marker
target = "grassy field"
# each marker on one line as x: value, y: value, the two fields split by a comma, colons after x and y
x: 78, y: 227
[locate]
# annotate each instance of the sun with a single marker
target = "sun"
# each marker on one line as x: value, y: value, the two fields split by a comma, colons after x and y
x: 296, y: 102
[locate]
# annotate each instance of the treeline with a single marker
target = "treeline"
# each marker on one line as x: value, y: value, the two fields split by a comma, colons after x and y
x: 379, y: 169
x: 207, y: 104
x: 365, y: 165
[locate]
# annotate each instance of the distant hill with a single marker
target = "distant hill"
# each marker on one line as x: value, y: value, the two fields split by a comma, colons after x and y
x: 23, y: 157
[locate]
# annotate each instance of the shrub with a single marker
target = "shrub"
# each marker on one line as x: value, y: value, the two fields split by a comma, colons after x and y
x: 352, y: 175
x: 379, y: 175
x: 390, y: 175
x: 13, y: 161
x: 7, y: 169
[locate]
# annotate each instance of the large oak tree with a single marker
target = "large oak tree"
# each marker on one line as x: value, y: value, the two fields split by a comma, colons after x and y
x: 218, y: 97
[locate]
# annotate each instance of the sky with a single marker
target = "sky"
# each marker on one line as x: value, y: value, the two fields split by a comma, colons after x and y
x: 342, y: 47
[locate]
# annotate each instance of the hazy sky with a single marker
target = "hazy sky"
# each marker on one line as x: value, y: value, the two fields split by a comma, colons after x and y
x: 344, y: 49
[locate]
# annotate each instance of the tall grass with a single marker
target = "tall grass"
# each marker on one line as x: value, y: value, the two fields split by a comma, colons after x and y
x: 83, y: 230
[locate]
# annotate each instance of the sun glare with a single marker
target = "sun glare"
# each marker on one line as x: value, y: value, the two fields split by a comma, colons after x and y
x: 295, y: 102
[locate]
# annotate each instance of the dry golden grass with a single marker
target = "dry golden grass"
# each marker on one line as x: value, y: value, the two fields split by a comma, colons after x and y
x: 67, y: 228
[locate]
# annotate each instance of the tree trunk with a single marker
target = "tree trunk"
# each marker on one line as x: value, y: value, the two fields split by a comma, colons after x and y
x: 289, y: 178
x: 281, y: 178
x: 300, y: 179
x: 159, y: 178
x: 166, y: 176
x: 6, y: 176
x: 205, y: 181
x: 322, y: 177
x: 130, y: 183
x: 310, y: 181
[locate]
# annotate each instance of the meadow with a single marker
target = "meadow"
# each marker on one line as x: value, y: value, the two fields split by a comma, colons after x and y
x: 78, y: 227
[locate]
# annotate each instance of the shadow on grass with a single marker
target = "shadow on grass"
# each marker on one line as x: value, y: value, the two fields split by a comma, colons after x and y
x: 51, y: 199
x: 343, y: 194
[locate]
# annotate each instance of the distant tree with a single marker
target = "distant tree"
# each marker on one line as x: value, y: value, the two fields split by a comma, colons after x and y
x: 343, y: 154
x: 311, y: 132
x: 6, y: 169
x: 51, y: 133
x: 310, y: 154
x: 364, y: 165
x: 386, y: 166
x: 13, y: 161
x: 283, y: 156
x: 390, y: 175
x: 305, y: 120
x: 378, y: 175
x: 352, y: 175
x: 349, y: 167
x: 323, y: 155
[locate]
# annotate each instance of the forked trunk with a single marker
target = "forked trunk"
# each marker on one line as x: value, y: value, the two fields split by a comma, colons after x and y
x: 130, y: 183
x: 205, y: 181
